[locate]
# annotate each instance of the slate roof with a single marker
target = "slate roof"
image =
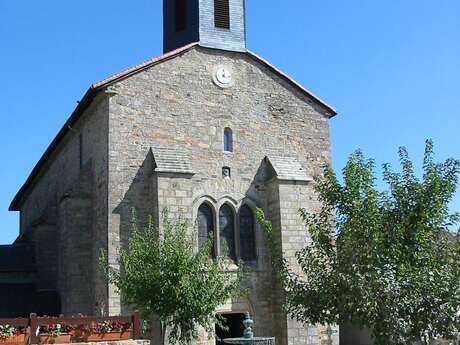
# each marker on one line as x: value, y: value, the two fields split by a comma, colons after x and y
x: 96, y: 88
x: 172, y: 159
x: 288, y: 169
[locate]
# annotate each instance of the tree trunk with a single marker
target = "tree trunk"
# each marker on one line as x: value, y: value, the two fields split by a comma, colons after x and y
x: 157, y: 334
x: 163, y: 333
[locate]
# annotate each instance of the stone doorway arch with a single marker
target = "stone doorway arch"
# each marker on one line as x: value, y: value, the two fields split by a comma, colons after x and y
x: 234, y: 313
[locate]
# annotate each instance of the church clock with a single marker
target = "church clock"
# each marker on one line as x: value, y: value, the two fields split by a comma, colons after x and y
x: 223, y: 76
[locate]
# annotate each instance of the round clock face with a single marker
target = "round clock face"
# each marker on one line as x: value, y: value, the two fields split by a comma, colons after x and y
x: 223, y: 76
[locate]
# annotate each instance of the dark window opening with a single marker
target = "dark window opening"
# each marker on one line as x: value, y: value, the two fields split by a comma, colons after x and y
x: 226, y: 172
x: 228, y: 140
x: 222, y: 14
x: 247, y: 235
x: 181, y: 15
x: 227, y: 231
x: 205, y: 225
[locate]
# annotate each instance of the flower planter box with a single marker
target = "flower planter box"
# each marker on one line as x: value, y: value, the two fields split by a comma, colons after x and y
x: 79, y: 336
x: 109, y: 336
x: 14, y: 340
x: 62, y: 339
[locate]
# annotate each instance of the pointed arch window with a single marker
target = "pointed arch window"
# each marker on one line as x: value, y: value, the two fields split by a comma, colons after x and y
x: 227, y: 231
x: 205, y: 224
x: 247, y: 235
x: 228, y: 140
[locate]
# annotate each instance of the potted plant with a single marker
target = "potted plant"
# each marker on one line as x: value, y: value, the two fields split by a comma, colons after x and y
x: 109, y: 331
x: 55, y: 334
x: 81, y: 333
x: 10, y: 335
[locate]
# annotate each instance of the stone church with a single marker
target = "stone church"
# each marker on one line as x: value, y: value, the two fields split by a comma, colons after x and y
x: 208, y: 130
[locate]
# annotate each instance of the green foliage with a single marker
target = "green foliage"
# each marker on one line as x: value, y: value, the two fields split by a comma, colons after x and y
x: 6, y: 331
x: 390, y: 265
x: 164, y: 275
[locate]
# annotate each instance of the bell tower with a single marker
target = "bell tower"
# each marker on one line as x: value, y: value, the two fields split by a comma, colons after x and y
x: 219, y: 24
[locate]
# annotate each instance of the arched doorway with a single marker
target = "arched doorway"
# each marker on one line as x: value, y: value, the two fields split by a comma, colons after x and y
x: 234, y: 323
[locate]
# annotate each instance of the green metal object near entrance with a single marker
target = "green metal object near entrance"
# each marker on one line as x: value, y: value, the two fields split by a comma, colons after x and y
x: 248, y: 336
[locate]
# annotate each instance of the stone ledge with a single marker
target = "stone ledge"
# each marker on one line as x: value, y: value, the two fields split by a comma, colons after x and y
x: 118, y: 342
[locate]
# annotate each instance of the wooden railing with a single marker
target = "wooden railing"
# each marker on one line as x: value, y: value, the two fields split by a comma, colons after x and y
x: 19, y: 322
x: 33, y: 324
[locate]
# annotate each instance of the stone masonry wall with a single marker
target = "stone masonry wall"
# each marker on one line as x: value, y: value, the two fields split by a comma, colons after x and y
x: 175, y: 194
x: 85, y: 144
x: 273, y: 212
x: 294, y: 196
x: 176, y: 103
x: 293, y: 238
x: 75, y: 235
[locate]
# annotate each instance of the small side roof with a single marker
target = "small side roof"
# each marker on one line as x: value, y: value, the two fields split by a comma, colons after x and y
x: 171, y: 159
x: 288, y: 169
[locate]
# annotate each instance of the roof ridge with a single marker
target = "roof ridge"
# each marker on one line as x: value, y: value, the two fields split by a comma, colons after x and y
x: 292, y: 80
x: 139, y: 67
x: 142, y: 65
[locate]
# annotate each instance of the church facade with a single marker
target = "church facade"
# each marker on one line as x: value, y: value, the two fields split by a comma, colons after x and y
x: 209, y: 131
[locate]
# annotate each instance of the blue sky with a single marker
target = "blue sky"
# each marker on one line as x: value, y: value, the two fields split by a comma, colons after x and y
x: 391, y: 68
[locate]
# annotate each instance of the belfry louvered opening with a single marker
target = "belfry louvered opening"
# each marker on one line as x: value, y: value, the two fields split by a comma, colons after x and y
x: 222, y: 14
x: 181, y: 15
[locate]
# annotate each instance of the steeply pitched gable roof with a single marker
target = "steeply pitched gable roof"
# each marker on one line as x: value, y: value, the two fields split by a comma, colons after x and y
x: 149, y: 63
x: 94, y: 90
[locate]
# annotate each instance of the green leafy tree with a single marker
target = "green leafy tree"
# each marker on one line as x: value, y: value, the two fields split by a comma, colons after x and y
x: 382, y: 260
x: 165, y: 276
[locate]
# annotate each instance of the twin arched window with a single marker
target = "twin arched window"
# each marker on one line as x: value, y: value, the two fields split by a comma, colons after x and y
x: 227, y: 231
x: 235, y: 236
x: 247, y: 234
x: 205, y: 224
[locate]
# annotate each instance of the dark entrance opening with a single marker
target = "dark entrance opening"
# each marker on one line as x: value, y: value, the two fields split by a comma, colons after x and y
x: 234, y: 322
